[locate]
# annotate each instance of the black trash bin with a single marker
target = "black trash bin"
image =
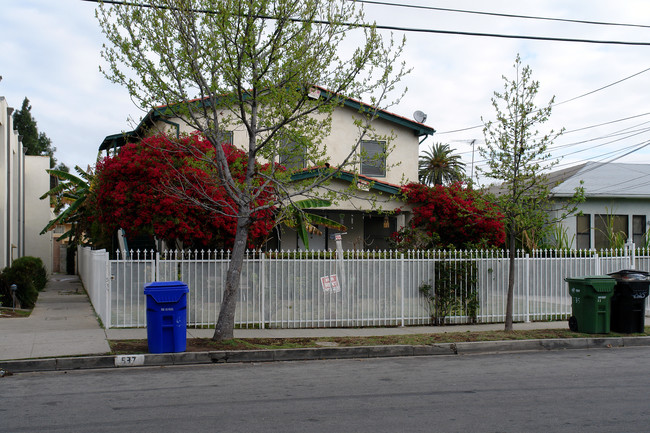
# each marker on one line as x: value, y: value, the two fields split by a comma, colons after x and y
x: 628, y: 301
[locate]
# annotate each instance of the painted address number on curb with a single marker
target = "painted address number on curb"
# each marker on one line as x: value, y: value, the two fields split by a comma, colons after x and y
x: 129, y: 360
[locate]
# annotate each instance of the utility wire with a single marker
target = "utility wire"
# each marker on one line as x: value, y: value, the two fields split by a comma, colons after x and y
x: 633, y: 146
x: 602, y: 144
x: 620, y: 132
x: 495, y: 14
x: 606, y: 123
x: 564, y: 102
x: 398, y: 28
x: 447, y: 32
x: 602, y: 88
x: 624, y: 131
x: 635, y: 180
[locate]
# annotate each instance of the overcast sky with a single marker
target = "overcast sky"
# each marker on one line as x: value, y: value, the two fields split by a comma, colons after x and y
x: 49, y: 52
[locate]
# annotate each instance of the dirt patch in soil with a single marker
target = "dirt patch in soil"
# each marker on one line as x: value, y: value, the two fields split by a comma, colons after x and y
x: 208, y: 345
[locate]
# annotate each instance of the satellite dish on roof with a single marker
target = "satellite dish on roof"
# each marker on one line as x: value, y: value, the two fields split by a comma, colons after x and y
x: 420, y: 117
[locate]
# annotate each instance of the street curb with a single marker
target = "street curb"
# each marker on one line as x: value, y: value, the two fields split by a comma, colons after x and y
x: 308, y: 354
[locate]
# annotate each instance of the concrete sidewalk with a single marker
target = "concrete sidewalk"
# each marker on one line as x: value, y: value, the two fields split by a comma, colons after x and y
x: 63, y: 323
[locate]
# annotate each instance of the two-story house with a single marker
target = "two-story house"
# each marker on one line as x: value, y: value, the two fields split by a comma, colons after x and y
x: 378, y: 174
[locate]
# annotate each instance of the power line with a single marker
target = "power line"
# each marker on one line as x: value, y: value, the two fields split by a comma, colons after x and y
x: 399, y: 28
x: 459, y: 130
x: 575, y: 21
x: 420, y: 30
x: 568, y: 100
x: 635, y: 180
x: 602, y: 144
x: 606, y: 123
x: 602, y: 88
x: 635, y: 148
x: 625, y: 131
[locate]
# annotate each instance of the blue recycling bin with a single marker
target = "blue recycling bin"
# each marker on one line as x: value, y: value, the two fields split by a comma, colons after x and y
x: 166, y: 316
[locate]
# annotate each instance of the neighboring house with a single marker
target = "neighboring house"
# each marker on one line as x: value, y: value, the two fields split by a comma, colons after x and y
x: 367, y: 228
x: 23, y: 179
x: 617, y: 200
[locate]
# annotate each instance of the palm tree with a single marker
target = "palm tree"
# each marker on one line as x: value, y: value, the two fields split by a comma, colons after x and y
x: 70, y: 193
x: 439, y: 167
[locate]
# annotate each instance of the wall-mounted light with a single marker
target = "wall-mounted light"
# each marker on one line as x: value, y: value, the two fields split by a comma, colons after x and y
x: 386, y: 222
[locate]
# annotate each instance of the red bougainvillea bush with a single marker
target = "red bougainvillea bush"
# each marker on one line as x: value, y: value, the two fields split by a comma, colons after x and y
x: 131, y: 191
x: 449, y: 216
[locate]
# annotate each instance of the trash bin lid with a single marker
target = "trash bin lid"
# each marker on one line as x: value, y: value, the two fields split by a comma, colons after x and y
x: 600, y: 283
x: 589, y: 278
x: 631, y: 275
x: 166, y: 291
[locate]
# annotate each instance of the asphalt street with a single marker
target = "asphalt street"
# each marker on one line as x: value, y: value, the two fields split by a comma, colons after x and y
x: 601, y: 390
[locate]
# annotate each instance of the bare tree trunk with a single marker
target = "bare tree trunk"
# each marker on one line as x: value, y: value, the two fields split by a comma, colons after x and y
x: 226, y: 321
x: 511, y: 281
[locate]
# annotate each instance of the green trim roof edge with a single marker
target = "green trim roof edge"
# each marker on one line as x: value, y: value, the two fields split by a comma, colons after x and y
x: 119, y: 140
x: 349, y: 177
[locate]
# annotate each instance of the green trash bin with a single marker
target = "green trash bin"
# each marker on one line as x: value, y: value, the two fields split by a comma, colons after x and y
x: 590, y: 303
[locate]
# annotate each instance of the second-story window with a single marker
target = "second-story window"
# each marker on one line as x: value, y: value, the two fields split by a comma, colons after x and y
x: 292, y: 156
x: 373, y: 158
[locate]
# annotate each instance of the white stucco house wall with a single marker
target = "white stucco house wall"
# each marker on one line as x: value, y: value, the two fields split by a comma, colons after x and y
x: 23, y: 179
x: 616, y: 195
x: 367, y: 228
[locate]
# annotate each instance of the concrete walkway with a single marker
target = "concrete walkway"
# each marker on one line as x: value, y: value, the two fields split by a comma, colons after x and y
x: 63, y: 323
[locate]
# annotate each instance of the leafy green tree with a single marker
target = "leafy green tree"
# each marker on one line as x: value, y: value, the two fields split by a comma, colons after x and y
x: 62, y: 167
x: 517, y: 158
x: 252, y: 64
x: 34, y: 142
x: 70, y: 196
x: 438, y: 166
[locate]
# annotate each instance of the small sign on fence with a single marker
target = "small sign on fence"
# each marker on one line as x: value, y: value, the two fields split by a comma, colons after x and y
x: 330, y: 284
x: 334, y: 281
x: 327, y: 285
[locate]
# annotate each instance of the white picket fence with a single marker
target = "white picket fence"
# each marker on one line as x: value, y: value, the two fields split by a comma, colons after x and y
x: 286, y: 289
